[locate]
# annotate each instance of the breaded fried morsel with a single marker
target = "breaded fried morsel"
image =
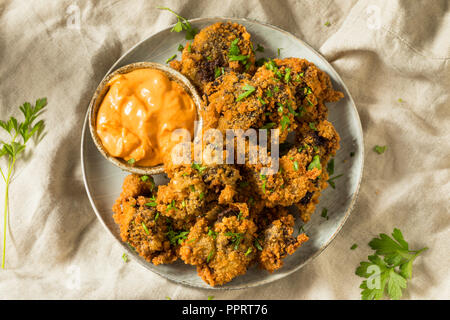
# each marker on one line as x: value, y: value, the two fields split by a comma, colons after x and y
x: 278, y: 242
x: 226, y: 107
x: 193, y: 186
x: 139, y: 222
x: 217, y: 48
x: 222, y: 251
x: 311, y: 87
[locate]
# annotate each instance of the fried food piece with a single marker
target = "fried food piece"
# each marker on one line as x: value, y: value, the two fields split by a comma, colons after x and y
x: 289, y: 184
x: 278, y: 100
x: 225, y: 107
x: 193, y: 187
x: 311, y: 87
x: 299, y: 169
x: 222, y: 251
x: 278, y: 242
x: 215, y: 48
x: 325, y: 142
x: 139, y: 222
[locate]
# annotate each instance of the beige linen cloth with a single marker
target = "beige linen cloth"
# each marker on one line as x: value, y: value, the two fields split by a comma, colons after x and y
x: 384, y: 51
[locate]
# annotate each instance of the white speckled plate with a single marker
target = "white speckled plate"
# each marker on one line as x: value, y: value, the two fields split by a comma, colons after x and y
x: 103, y: 180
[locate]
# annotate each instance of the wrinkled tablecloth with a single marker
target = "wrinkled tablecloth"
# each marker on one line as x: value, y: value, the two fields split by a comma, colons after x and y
x: 385, y: 50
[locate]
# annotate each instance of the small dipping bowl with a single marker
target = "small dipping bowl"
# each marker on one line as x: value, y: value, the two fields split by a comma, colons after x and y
x: 102, y: 90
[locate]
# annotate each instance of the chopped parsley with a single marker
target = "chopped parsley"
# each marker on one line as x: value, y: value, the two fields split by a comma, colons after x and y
x: 352, y: 154
x: 354, y: 246
x: 324, y: 213
x: 180, y: 47
x: 177, y: 237
x: 287, y: 76
x: 331, y: 181
x: 212, y: 233
x: 327, y: 24
x: 235, y: 238
x: 379, y: 149
x: 315, y: 163
x: 210, y: 255
x: 171, y: 206
x: 269, y: 125
x: 131, y: 161
x: 259, y: 48
x: 330, y: 167
x: 248, y: 90
x: 198, y: 167
x: 285, y: 122
x: 171, y: 58
x: 312, y: 125
x: 125, y: 257
x: 258, y: 245
x: 218, y: 72
x: 145, y: 228
x: 279, y: 52
x: 144, y: 178
x: 249, y: 250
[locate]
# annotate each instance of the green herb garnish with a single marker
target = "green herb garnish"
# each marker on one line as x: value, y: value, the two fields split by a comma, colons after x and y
x: 144, y: 178
x: 330, y: 167
x: 131, y: 161
x: 248, y: 90
x: 210, y: 297
x: 258, y: 245
x: 331, y: 181
x: 235, y: 238
x: 285, y: 122
x: 324, y: 213
x: 210, y: 255
x: 182, y: 24
x: 391, y: 273
x: 315, y: 163
x: 180, y: 47
x: 312, y: 125
x: 125, y: 257
x: 171, y: 58
x: 269, y: 125
x: 327, y: 24
x: 259, y: 48
x: 249, y: 250
x: 380, y: 149
x: 19, y: 134
x: 354, y: 246
x: 145, y: 228
x: 198, y: 167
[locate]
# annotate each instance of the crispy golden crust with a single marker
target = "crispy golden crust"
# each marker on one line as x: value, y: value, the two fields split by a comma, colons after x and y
x: 221, y: 252
x: 222, y: 108
x: 139, y: 224
x: 278, y: 242
x: 311, y: 87
x: 210, y: 51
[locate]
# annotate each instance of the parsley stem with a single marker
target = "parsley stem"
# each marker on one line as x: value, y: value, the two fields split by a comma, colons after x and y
x: 11, y: 163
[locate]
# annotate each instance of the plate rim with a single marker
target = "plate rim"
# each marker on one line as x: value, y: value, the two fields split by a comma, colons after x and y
x: 349, y: 210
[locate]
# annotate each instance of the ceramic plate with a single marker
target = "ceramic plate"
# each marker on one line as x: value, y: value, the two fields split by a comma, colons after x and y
x: 103, y: 180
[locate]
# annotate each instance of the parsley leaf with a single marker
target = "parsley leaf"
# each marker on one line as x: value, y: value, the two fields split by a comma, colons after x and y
x: 315, y: 163
x: 248, y: 90
x: 182, y: 24
x: 389, y: 274
x: 379, y: 149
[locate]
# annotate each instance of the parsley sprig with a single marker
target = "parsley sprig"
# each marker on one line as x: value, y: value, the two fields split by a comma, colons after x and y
x: 389, y: 273
x: 182, y: 24
x: 19, y: 134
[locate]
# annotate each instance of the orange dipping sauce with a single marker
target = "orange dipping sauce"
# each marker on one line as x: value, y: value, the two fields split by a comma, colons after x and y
x: 139, y: 113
